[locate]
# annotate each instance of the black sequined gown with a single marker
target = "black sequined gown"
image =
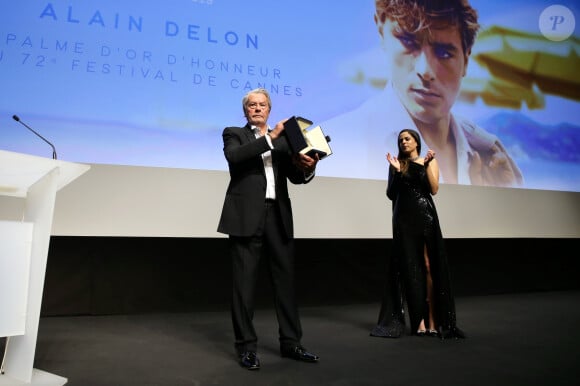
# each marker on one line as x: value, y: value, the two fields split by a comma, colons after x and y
x: 415, y: 225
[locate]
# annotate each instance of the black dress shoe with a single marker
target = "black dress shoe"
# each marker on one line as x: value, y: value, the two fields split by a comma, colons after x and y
x: 249, y: 360
x: 300, y: 354
x: 453, y: 333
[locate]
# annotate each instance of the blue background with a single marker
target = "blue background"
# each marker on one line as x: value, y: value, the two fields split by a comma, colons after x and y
x: 107, y: 82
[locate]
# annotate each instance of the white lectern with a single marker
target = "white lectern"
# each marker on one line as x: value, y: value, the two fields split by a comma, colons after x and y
x: 24, y: 253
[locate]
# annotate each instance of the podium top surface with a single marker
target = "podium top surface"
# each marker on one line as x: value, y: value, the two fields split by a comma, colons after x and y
x: 18, y: 172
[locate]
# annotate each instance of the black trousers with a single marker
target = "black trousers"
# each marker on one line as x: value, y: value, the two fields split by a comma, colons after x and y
x: 270, y: 242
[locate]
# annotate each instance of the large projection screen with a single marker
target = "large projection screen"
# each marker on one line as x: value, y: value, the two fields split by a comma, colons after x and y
x: 142, y: 90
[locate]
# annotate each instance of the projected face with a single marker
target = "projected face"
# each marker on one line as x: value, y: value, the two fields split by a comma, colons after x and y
x: 257, y: 109
x: 427, y: 69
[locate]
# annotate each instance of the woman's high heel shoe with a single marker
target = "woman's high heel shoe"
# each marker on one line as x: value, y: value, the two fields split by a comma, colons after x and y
x: 432, y: 333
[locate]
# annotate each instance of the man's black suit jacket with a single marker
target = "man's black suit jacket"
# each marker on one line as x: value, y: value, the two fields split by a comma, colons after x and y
x: 244, y: 206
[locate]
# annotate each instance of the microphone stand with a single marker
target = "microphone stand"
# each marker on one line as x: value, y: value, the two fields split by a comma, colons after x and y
x: 17, y: 119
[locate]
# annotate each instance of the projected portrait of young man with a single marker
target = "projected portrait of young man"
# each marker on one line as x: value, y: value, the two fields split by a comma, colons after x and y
x: 427, y: 45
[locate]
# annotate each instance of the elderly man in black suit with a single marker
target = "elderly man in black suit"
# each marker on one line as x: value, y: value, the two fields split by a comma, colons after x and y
x: 257, y: 216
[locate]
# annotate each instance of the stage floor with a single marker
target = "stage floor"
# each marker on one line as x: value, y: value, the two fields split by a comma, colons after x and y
x: 513, y: 339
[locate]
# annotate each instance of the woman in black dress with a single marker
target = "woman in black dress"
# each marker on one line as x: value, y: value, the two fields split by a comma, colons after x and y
x: 418, y: 271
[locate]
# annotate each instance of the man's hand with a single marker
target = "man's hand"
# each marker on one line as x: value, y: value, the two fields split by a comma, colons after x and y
x: 305, y: 163
x: 278, y: 129
x: 493, y: 170
x: 501, y: 171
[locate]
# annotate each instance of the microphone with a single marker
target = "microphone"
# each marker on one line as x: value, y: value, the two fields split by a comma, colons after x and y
x: 17, y: 119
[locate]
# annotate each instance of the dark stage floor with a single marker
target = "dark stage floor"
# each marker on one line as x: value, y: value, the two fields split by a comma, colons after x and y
x: 516, y: 339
